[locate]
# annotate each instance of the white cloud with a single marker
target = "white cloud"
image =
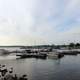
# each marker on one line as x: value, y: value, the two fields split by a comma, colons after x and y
x: 40, y: 21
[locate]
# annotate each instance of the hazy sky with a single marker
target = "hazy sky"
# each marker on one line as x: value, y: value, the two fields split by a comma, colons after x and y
x: 29, y: 22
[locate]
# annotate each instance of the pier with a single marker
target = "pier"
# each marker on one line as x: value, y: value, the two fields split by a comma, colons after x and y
x: 69, y: 52
x: 32, y: 55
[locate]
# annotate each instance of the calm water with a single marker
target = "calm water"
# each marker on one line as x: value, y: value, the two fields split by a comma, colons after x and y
x: 67, y: 68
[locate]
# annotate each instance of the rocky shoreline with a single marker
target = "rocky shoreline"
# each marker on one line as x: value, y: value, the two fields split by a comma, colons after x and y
x: 8, y: 74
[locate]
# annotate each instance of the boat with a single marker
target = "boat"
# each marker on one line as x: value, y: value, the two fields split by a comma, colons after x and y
x: 55, y: 55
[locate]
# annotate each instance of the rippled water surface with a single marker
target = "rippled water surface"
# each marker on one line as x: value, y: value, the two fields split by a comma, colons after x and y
x: 67, y: 68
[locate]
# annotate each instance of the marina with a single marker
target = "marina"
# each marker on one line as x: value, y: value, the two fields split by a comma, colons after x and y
x: 40, y: 53
x: 55, y: 65
x: 45, y: 69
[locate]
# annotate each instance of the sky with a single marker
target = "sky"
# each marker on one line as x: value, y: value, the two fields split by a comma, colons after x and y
x: 37, y: 22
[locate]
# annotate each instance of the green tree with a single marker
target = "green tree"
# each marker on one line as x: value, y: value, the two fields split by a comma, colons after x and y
x: 71, y: 45
x: 77, y: 45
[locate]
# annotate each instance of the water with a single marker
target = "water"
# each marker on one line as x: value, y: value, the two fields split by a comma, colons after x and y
x: 67, y: 68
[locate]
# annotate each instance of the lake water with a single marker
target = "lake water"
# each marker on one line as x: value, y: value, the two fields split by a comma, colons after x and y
x: 66, y: 68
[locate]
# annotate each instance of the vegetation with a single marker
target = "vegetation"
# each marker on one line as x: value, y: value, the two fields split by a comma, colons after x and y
x: 70, y: 45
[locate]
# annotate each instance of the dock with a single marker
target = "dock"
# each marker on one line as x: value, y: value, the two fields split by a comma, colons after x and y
x: 43, y: 56
x: 69, y: 52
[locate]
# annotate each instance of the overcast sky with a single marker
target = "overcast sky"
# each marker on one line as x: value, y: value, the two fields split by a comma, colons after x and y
x: 33, y: 22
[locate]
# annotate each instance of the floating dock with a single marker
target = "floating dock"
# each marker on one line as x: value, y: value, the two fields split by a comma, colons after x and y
x: 43, y: 56
x: 69, y: 52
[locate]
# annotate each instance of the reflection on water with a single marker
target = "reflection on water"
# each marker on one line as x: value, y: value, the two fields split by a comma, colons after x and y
x: 66, y: 68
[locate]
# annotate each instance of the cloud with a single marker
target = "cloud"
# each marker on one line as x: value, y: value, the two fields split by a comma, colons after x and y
x: 21, y: 40
x: 40, y: 21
